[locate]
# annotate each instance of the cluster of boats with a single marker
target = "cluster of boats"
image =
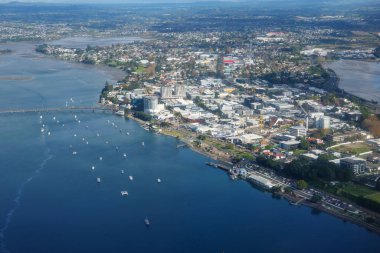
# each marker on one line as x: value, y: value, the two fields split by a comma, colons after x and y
x: 124, y: 193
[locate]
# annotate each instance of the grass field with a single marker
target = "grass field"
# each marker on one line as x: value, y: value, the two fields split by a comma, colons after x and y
x: 354, y: 149
x: 357, y: 190
x: 375, y: 197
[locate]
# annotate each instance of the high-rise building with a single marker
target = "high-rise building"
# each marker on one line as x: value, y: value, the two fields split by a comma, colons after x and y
x: 166, y: 92
x: 323, y: 122
x: 179, y: 90
x: 150, y: 104
x: 298, y: 131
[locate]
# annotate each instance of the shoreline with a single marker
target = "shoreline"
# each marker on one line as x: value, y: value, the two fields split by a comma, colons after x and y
x: 342, y: 91
x: 188, y: 144
x: 290, y: 199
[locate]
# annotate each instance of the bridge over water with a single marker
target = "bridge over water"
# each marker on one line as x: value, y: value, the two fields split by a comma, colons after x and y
x: 56, y: 109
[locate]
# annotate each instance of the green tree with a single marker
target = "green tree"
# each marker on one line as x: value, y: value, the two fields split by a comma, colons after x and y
x: 301, y: 184
x: 378, y: 184
x: 316, y: 198
x: 304, y: 144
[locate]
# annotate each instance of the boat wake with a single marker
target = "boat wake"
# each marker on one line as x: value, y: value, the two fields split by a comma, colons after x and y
x: 16, y: 201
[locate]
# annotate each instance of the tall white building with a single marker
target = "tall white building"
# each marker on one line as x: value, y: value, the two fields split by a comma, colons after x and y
x: 323, y: 122
x: 298, y: 131
x: 166, y: 92
x: 179, y: 90
x: 150, y: 104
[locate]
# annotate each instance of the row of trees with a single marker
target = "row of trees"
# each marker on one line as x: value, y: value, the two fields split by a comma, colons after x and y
x: 322, y: 168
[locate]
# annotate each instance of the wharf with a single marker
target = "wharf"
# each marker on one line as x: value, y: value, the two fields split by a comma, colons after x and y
x: 219, y: 166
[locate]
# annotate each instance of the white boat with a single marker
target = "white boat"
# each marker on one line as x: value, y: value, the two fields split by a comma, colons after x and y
x: 93, y: 167
x: 42, y: 130
x: 127, y: 133
x: 98, y: 134
x: 120, y: 113
x: 158, y: 180
x: 41, y: 117
x: 131, y: 178
x: 86, y: 142
x: 98, y: 180
x: 75, y: 135
x: 125, y: 155
x: 122, y: 171
x: 142, y: 143
x: 79, y: 121
x: 100, y: 158
x: 147, y: 223
x: 124, y: 193
x: 48, y: 133
x: 74, y: 153
x: 82, y: 139
x: 53, y: 118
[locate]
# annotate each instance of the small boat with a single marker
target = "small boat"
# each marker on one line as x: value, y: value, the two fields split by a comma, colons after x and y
x: 53, y: 118
x: 98, y: 180
x: 147, y: 223
x: 122, y: 171
x: 125, y: 155
x: 158, y: 180
x: 106, y: 142
x: 41, y: 117
x: 93, y: 167
x: 131, y: 178
x: 79, y: 121
x: 120, y: 113
x: 124, y: 193
x: 63, y: 125
x: 75, y: 135
x: 86, y: 142
x: 142, y: 143
x: 127, y: 133
x: 48, y: 133
x: 75, y: 116
x: 82, y: 139
x: 42, y: 130
x: 98, y: 134
x: 100, y: 158
x: 74, y: 153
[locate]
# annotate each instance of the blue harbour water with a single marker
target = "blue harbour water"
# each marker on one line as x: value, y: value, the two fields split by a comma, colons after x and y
x: 50, y: 200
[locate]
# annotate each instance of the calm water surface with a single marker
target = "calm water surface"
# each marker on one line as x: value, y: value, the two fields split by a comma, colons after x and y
x: 50, y: 200
x: 359, y: 78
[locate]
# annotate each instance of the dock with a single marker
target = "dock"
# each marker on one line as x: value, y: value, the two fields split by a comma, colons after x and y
x: 219, y: 166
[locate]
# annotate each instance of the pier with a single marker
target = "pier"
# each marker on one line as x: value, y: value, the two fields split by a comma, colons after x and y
x: 219, y: 166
